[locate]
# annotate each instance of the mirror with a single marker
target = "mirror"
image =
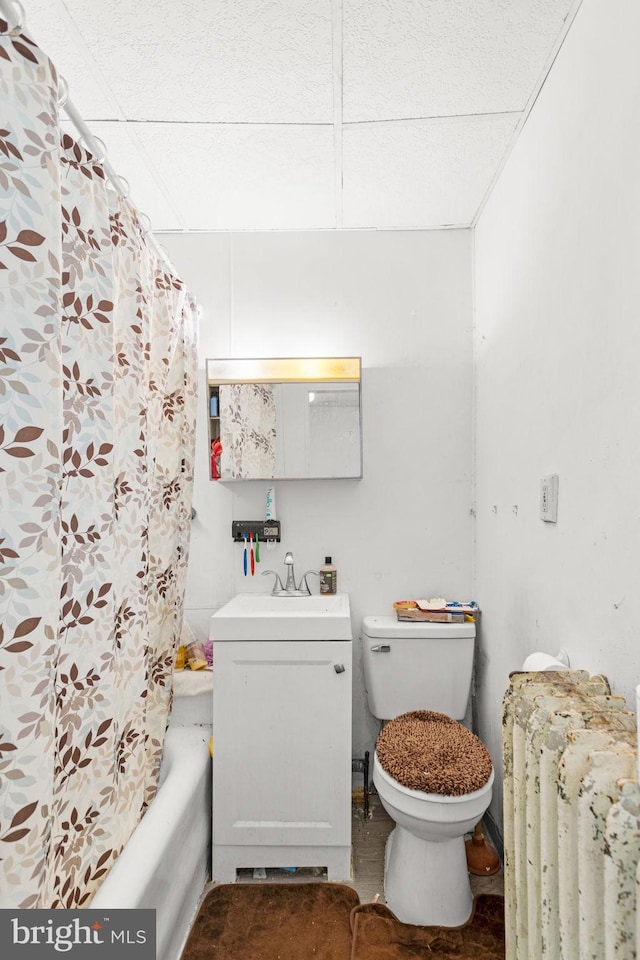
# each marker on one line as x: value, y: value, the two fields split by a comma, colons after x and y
x: 284, y: 418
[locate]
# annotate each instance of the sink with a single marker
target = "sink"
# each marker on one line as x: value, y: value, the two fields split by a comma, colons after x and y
x: 255, y: 616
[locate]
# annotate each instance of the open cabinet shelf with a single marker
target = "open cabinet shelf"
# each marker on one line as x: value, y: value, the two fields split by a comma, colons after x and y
x: 213, y: 401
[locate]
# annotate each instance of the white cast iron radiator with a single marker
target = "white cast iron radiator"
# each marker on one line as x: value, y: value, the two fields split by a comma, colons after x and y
x: 571, y: 819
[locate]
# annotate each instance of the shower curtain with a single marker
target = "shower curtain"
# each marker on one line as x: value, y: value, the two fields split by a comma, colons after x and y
x: 97, y: 411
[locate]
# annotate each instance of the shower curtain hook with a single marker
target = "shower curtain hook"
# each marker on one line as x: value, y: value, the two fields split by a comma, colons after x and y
x: 145, y: 222
x: 92, y: 143
x: 63, y: 91
x: 18, y: 26
x: 122, y: 188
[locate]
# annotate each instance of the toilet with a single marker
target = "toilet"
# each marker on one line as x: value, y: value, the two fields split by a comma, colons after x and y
x: 433, y: 776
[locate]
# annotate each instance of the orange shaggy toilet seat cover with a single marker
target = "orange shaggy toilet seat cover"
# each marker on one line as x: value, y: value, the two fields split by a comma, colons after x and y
x: 429, y: 751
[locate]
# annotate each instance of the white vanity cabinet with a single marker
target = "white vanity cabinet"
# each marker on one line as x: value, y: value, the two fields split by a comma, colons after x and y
x: 282, y: 755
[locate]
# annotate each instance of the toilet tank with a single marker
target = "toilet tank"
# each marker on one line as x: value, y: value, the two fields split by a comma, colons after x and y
x: 417, y: 666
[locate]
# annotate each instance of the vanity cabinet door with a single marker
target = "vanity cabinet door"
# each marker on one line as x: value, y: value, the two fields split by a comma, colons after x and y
x: 282, y: 732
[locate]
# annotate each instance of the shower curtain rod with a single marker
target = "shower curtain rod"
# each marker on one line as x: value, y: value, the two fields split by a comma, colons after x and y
x: 13, y: 12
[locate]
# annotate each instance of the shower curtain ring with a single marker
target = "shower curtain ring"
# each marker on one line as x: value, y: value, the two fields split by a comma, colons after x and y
x: 122, y: 187
x: 91, y: 145
x: 145, y: 222
x: 18, y: 26
x: 63, y: 91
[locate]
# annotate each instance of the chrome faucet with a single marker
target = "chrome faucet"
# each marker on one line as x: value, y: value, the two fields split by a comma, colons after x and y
x: 278, y: 589
x: 290, y: 585
x: 290, y: 589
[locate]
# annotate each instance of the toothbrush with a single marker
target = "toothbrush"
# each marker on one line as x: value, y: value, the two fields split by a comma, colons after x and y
x: 257, y: 548
x: 245, y: 554
x: 253, y: 566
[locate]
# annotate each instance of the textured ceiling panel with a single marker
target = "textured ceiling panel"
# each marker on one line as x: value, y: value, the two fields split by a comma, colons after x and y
x: 411, y: 58
x: 133, y: 161
x: 48, y: 22
x: 240, y: 117
x: 417, y: 174
x: 207, y: 60
x: 226, y: 177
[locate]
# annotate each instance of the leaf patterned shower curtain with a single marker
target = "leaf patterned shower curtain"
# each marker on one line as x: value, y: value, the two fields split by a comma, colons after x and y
x: 97, y: 412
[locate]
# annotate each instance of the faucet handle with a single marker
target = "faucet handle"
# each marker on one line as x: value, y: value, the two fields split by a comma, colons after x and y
x: 277, y: 583
x: 303, y: 582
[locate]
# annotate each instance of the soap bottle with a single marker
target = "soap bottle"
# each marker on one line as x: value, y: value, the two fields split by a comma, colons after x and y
x: 328, y: 577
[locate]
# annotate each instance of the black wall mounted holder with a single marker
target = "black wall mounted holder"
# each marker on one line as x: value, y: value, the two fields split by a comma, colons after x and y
x: 264, y: 529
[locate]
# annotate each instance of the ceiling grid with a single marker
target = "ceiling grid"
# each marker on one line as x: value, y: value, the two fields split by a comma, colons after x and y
x: 304, y: 114
x: 338, y: 87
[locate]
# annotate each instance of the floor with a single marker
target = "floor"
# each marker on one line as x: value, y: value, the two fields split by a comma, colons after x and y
x: 368, y: 842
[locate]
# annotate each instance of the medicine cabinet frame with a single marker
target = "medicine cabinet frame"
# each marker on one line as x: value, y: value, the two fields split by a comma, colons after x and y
x: 267, y: 422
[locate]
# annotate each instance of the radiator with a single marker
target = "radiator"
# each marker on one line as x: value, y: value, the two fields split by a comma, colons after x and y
x: 571, y: 819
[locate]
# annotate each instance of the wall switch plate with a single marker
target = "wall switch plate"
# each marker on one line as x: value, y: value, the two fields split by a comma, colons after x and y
x: 549, y: 498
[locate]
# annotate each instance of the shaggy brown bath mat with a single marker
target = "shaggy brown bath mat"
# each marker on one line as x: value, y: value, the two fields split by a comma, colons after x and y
x: 273, y: 921
x: 378, y: 935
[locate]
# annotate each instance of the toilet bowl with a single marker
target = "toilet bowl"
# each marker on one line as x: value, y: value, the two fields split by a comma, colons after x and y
x: 426, y: 879
x: 448, y: 777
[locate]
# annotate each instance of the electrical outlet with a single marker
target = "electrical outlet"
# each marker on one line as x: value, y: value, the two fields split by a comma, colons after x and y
x: 549, y: 498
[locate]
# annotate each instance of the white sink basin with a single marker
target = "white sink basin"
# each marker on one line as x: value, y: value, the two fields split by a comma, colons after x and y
x: 255, y: 616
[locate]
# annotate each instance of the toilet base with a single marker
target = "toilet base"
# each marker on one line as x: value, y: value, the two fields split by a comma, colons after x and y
x: 427, y: 882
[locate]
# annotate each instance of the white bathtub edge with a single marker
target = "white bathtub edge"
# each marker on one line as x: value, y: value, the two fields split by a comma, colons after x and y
x: 164, y: 865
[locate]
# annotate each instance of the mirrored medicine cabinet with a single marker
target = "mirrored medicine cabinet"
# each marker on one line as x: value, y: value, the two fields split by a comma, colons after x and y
x: 284, y: 418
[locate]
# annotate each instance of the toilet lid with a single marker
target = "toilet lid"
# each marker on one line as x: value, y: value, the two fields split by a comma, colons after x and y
x: 429, y: 751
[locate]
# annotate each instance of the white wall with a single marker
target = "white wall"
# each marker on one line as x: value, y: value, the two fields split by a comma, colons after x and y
x: 557, y: 336
x: 401, y: 301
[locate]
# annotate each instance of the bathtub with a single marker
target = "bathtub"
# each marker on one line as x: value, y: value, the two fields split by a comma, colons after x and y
x: 165, y: 864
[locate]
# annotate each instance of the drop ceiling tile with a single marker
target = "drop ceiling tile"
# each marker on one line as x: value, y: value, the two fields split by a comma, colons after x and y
x: 132, y: 161
x: 208, y: 60
x: 416, y: 174
x: 53, y: 29
x: 409, y: 59
x: 228, y: 177
x: 211, y: 76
